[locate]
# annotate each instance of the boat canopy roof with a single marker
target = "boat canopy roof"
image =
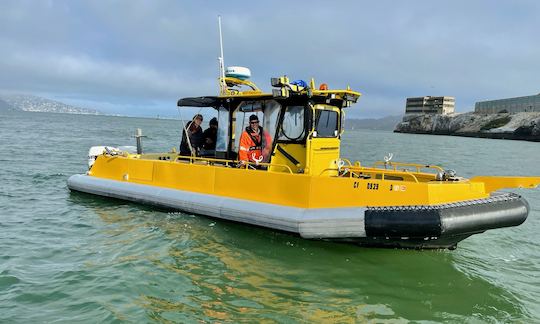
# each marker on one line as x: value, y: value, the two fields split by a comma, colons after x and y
x: 199, y: 102
x: 215, y: 102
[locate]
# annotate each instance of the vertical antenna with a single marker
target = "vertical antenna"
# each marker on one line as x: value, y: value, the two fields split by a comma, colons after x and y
x: 222, y: 83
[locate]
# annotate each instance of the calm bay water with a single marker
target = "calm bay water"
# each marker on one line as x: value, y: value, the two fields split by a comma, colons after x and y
x: 69, y: 257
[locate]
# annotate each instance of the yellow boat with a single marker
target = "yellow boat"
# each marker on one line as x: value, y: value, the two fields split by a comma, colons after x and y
x: 306, y: 187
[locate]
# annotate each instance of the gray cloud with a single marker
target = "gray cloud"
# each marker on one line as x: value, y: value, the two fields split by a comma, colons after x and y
x: 122, y: 53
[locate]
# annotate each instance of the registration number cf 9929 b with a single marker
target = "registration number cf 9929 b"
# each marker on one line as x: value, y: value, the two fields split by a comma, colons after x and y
x: 370, y: 186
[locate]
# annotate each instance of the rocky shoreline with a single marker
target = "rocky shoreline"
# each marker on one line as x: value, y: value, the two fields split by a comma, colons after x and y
x: 516, y: 126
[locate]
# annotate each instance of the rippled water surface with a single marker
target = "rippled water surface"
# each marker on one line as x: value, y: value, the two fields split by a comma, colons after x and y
x: 68, y: 257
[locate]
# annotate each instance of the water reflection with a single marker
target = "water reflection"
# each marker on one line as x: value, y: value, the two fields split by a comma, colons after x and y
x: 190, y: 267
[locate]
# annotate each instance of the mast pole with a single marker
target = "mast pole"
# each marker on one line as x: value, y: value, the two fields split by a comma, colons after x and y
x: 222, y: 83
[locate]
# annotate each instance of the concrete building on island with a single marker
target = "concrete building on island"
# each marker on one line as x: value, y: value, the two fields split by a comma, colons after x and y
x: 509, y: 105
x: 430, y: 105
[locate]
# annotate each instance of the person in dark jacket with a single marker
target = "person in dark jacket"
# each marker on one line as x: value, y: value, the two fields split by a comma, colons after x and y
x: 210, y: 135
x: 195, y: 135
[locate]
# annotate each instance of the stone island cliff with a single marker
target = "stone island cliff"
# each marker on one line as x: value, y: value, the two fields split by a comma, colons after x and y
x: 517, y: 126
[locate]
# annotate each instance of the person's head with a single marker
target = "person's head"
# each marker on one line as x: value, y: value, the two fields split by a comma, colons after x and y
x: 197, y: 119
x: 213, y: 122
x: 254, y: 122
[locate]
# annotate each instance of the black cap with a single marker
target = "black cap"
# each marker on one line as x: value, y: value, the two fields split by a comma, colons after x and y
x: 253, y: 117
x: 213, y: 121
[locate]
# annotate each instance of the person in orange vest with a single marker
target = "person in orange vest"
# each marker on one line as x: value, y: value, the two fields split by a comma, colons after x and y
x: 255, y: 143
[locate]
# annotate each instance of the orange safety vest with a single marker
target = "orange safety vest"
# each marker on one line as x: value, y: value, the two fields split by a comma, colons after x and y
x: 253, y: 146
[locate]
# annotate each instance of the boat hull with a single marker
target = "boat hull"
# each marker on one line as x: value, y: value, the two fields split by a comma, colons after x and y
x: 439, y: 226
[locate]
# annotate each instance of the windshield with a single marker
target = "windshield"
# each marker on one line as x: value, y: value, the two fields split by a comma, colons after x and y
x: 267, y: 111
x: 271, y: 117
x: 223, y: 130
x: 293, y: 124
x: 326, y: 123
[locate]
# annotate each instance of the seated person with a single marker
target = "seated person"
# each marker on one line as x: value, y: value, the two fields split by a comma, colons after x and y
x: 255, y: 143
x: 195, y: 135
x: 210, y: 138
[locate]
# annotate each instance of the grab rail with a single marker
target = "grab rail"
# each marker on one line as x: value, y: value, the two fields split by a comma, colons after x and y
x: 228, y: 162
x: 348, y: 161
x: 402, y: 164
x: 286, y: 167
x: 374, y: 171
x: 204, y: 159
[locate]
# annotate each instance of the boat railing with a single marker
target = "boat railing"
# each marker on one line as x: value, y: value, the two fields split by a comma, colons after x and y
x: 417, y: 166
x: 230, y: 163
x: 192, y: 159
x: 268, y: 165
x: 359, y: 172
x: 349, y: 162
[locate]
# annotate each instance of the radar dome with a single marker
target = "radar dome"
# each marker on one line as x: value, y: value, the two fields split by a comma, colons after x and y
x: 239, y: 72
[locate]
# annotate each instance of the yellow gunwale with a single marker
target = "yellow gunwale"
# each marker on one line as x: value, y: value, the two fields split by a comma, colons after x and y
x: 218, y: 177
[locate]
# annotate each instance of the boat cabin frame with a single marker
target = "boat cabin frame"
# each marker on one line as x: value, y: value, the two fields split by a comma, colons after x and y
x: 305, y: 124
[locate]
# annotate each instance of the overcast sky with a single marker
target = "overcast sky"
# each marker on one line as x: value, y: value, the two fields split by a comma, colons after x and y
x: 138, y: 57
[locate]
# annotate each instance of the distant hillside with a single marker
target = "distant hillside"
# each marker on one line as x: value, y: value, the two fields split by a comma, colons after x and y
x: 385, y: 123
x: 34, y: 103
